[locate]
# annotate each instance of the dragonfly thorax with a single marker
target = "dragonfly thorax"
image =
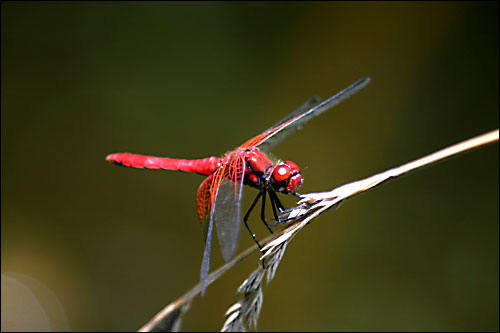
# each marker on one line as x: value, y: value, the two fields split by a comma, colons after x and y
x: 262, y: 173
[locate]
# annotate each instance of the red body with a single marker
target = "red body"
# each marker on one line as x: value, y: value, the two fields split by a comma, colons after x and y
x: 259, y: 171
x: 204, y: 166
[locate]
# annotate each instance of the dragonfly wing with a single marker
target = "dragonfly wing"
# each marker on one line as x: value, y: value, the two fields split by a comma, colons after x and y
x: 227, y: 207
x: 205, y: 201
x: 275, y: 140
x: 205, y: 212
x: 301, y: 109
x: 205, y: 264
x: 219, y: 200
x: 271, y: 137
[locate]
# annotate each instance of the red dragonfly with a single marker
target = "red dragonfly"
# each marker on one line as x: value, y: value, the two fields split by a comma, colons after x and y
x: 219, y: 195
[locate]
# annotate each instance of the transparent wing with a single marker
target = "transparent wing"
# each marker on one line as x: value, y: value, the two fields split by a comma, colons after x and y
x: 219, y: 203
x: 227, y: 208
x: 205, y: 263
x: 298, y: 111
x: 271, y: 137
x: 205, y: 201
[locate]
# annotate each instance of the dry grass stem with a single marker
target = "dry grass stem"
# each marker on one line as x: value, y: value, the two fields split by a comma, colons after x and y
x: 162, y: 319
x: 245, y: 313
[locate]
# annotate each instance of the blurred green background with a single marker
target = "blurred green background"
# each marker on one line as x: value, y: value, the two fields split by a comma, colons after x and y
x: 94, y: 246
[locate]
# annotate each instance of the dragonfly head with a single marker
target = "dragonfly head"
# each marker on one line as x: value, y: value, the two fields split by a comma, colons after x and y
x: 286, y: 177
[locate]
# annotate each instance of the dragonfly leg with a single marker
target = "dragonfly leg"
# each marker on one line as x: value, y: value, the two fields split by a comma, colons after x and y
x: 280, y: 206
x: 245, y: 219
x: 263, y: 211
x: 273, y: 205
x: 275, y: 202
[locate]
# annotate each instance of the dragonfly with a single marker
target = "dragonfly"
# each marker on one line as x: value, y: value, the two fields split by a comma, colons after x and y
x: 219, y: 195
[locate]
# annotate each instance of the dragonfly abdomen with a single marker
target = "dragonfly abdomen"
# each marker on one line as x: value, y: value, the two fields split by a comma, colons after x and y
x: 204, y: 166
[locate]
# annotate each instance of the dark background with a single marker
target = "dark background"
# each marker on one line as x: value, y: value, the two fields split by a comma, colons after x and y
x: 100, y: 247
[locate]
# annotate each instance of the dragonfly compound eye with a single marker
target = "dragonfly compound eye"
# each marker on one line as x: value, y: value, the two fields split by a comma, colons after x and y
x: 292, y: 165
x: 282, y: 173
x: 286, y: 177
x: 294, y: 183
